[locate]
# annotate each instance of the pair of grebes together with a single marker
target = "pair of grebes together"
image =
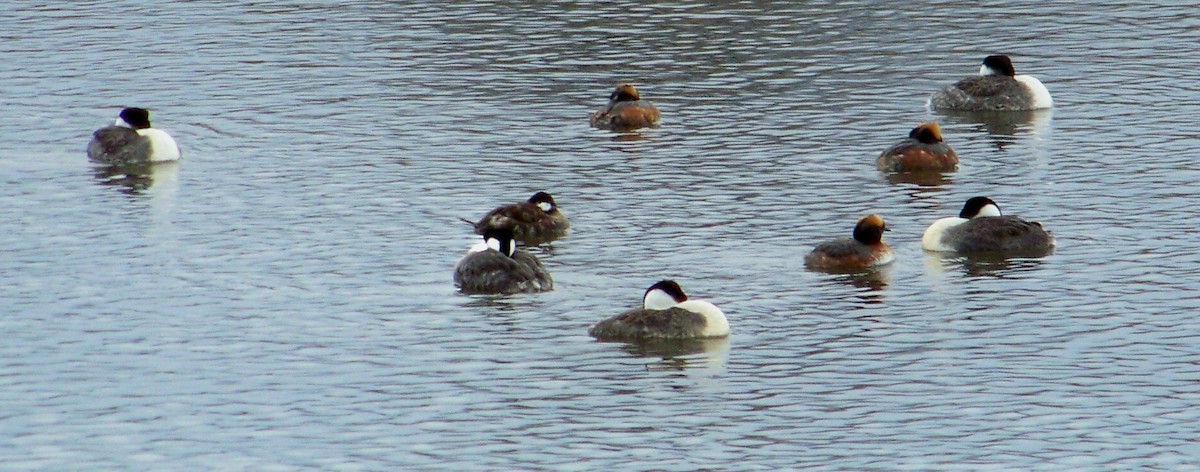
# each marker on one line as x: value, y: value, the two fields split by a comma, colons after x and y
x: 496, y: 266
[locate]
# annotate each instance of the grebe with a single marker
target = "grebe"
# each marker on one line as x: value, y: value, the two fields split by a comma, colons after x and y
x: 996, y: 88
x: 131, y: 140
x: 666, y: 313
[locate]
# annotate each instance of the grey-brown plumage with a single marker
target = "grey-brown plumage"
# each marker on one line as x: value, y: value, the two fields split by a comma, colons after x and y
x: 530, y: 221
x: 984, y: 93
x: 501, y: 271
x: 1000, y: 234
x: 841, y: 248
x: 999, y: 90
x: 118, y: 145
x: 640, y: 323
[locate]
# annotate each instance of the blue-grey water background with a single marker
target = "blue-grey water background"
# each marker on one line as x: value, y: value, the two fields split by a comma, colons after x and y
x: 281, y: 299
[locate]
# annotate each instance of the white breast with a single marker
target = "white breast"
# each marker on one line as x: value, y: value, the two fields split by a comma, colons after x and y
x: 934, y: 237
x: 886, y: 258
x: 162, y: 145
x: 715, y: 323
x: 1041, y: 96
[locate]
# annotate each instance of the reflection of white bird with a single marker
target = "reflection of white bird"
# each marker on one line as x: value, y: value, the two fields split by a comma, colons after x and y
x: 131, y: 140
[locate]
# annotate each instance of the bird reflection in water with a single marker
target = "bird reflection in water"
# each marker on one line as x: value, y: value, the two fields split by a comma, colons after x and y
x: 981, y: 265
x: 872, y: 281
x: 1002, y: 128
x: 924, y: 180
x: 680, y: 354
x: 628, y: 137
x: 134, y: 179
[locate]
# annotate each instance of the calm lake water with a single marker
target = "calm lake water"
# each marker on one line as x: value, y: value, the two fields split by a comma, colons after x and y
x: 282, y: 300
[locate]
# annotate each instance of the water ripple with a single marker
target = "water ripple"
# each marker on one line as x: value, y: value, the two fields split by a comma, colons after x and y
x: 281, y: 299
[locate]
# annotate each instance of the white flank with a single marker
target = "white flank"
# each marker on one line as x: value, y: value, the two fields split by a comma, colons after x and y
x: 885, y: 258
x: 931, y: 240
x: 162, y: 146
x: 1041, y: 96
x: 715, y: 323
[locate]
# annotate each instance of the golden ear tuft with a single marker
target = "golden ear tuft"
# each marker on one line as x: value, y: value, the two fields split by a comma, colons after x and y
x: 628, y: 90
x: 872, y: 220
x: 933, y: 127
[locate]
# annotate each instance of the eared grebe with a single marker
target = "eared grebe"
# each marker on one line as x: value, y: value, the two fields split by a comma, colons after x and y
x: 923, y: 150
x: 626, y: 111
x: 864, y: 251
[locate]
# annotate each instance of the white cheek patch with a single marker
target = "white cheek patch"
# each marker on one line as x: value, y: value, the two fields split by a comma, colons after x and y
x: 985, y: 70
x: 658, y: 300
x: 545, y: 206
x: 989, y: 210
x: 492, y: 243
x: 121, y: 122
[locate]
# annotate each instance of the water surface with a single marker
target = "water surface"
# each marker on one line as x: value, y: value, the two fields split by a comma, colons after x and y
x: 281, y: 298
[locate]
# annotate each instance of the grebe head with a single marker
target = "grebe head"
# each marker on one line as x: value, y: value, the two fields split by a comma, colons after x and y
x: 500, y: 239
x: 869, y: 229
x: 625, y: 93
x: 997, y: 65
x: 979, y: 206
x: 928, y: 133
x: 544, y: 201
x: 136, y: 118
x: 662, y: 295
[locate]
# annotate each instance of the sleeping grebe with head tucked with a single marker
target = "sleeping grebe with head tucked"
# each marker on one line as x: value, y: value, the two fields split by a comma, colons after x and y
x: 495, y: 266
x: 131, y: 140
x: 923, y: 150
x: 666, y: 313
x: 996, y: 88
x: 626, y: 111
x: 981, y: 228
x: 534, y: 221
x: 864, y: 251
